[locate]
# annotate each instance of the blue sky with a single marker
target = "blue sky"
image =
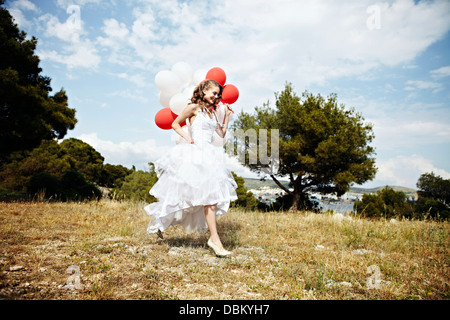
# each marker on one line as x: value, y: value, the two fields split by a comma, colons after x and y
x: 388, y: 60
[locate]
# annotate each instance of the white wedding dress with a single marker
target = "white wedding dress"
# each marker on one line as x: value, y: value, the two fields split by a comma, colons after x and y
x: 191, y: 176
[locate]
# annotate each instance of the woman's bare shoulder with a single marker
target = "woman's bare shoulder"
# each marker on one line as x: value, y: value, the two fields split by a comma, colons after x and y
x: 193, y: 107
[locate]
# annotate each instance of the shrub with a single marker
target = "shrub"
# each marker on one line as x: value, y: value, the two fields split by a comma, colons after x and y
x: 75, y: 187
x: 136, y: 186
x: 386, y: 203
x: 431, y: 208
x: 44, y: 183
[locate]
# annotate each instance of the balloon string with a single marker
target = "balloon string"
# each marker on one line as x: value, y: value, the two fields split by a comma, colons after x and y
x: 222, y: 104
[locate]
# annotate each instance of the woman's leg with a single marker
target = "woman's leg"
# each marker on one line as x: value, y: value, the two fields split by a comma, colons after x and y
x: 210, y: 215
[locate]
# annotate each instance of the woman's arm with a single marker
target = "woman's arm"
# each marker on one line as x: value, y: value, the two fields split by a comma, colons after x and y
x: 188, y: 112
x: 222, y: 128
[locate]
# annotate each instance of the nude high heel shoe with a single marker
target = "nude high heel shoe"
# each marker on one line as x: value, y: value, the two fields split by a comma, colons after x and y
x: 218, y: 252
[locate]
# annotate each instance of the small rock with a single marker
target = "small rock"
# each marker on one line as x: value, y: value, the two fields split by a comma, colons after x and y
x: 331, y: 284
x: 16, y: 268
x: 320, y: 247
x: 114, y: 239
x: 362, y: 251
x: 345, y: 284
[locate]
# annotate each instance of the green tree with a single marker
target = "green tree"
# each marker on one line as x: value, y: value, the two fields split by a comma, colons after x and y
x: 28, y: 114
x: 323, y: 147
x: 35, y: 171
x: 84, y: 159
x: 71, y: 187
x: 75, y: 187
x: 137, y: 186
x: 434, y: 196
x: 112, y: 176
x: 386, y: 203
x: 46, y: 185
x: 246, y: 199
x: 47, y: 158
x: 434, y: 187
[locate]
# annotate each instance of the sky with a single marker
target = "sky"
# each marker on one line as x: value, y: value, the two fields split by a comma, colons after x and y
x: 389, y: 60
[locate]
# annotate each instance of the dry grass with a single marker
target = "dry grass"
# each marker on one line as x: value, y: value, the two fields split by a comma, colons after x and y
x: 275, y: 256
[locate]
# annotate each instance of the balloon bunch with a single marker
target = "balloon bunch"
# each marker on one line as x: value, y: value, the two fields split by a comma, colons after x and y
x: 176, y: 87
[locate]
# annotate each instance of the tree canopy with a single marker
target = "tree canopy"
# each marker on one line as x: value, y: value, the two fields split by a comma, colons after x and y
x: 323, y: 146
x: 434, y: 196
x: 28, y: 113
x: 386, y: 203
x: 84, y: 159
x: 434, y: 187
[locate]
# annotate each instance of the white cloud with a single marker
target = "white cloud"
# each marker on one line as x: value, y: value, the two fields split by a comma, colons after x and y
x: 137, y: 79
x: 441, y: 72
x: 82, y: 54
x: 265, y: 43
x: 141, y: 152
x: 413, y: 85
x: 134, y: 94
x: 392, y: 133
x: 125, y: 153
x: 66, y: 3
x: 24, y: 5
x: 115, y: 31
x: 77, y: 50
x: 16, y: 9
x: 406, y: 170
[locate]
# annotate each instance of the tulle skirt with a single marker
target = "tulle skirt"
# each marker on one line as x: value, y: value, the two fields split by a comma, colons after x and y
x: 190, y: 176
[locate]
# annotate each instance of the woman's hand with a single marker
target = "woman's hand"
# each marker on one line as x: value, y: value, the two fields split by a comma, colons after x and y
x: 228, y: 109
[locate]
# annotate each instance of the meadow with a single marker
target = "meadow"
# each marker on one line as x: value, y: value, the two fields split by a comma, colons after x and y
x: 100, y: 250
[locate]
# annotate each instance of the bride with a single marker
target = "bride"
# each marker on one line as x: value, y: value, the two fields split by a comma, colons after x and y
x: 193, y: 186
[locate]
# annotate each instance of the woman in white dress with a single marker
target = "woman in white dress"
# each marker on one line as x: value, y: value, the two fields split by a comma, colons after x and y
x: 194, y: 186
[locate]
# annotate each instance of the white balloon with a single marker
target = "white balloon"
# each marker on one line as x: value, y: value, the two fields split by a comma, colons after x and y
x: 188, y: 91
x: 199, y: 76
x: 178, y: 102
x: 168, y: 82
x: 164, y: 99
x: 184, y: 71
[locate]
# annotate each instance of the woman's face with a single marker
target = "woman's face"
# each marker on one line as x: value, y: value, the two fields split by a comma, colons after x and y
x: 211, y: 95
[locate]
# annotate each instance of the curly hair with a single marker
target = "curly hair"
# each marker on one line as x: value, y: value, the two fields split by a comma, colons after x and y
x: 197, y: 96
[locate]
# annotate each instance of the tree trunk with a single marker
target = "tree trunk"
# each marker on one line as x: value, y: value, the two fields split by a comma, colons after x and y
x: 298, y: 189
x: 295, y: 202
x: 279, y: 184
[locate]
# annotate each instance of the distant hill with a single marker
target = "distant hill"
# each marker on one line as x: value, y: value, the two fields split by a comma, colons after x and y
x: 407, y: 191
x: 251, y: 183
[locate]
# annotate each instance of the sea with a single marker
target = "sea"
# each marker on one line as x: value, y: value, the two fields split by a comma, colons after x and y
x: 337, y: 207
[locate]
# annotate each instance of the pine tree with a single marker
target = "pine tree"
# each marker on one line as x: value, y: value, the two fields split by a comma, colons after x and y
x: 28, y: 113
x: 323, y: 147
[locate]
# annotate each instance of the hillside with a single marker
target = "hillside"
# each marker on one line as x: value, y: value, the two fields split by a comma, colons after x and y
x: 251, y: 183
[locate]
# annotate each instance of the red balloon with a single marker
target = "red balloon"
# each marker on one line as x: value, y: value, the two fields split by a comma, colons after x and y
x: 218, y: 75
x: 165, y: 117
x: 230, y: 94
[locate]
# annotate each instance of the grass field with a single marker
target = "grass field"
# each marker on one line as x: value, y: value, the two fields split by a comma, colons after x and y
x: 105, y: 247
